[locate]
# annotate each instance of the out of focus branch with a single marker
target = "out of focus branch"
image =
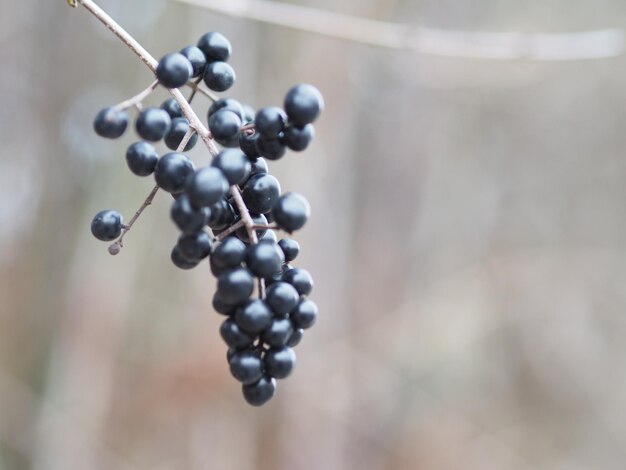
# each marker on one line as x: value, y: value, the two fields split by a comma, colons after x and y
x: 462, y: 44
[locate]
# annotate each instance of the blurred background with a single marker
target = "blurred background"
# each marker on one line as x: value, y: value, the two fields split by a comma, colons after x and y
x: 468, y: 242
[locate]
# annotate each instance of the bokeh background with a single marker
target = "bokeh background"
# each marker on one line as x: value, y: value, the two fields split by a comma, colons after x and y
x: 468, y: 242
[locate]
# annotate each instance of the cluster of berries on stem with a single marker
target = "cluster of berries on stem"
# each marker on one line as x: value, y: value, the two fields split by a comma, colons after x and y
x: 230, y: 211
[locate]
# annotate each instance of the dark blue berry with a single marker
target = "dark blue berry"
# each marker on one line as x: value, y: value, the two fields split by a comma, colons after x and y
x: 264, y: 259
x: 173, y: 172
x: 195, y: 246
x: 260, y: 392
x: 141, y: 158
x: 224, y: 125
x: 171, y: 107
x: 291, y: 212
x: 219, y: 76
x: 270, y: 122
x: 234, y: 336
x: 299, y: 138
x: 290, y: 247
x: 196, y: 58
x: 111, y: 123
x: 278, y: 333
x: 279, y: 363
x: 180, y: 261
x: 272, y: 149
x: 235, y: 287
x: 226, y: 103
x: 303, y: 104
x: 186, y: 217
x: 106, y: 225
x: 152, y: 124
x: 174, y: 70
x: 295, y: 338
x: 282, y: 298
x: 253, y: 317
x: 304, y: 315
x: 207, y: 187
x: 261, y: 192
x: 246, y: 367
x: 215, y: 46
x: 234, y: 165
x: 300, y: 279
x: 229, y: 253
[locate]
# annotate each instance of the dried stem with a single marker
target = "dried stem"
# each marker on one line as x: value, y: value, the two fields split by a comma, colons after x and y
x: 138, y: 98
x: 195, y: 86
x: 233, y: 228
x: 461, y: 44
x: 117, y: 245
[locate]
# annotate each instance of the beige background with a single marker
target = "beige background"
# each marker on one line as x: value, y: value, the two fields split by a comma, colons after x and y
x: 468, y: 242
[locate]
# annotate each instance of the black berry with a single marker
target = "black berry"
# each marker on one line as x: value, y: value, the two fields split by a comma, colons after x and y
x: 111, y: 123
x: 141, y: 158
x: 291, y: 212
x: 207, y: 187
x: 261, y: 193
x: 173, y: 172
x: 174, y: 70
x: 215, y: 47
x: 303, y: 104
x: 106, y: 225
x: 196, y: 58
x: 152, y: 124
x: 219, y: 76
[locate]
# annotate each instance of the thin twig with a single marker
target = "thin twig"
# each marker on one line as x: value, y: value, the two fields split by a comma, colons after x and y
x: 462, y: 44
x: 117, y: 245
x: 138, y: 98
x: 195, y: 86
x: 233, y: 228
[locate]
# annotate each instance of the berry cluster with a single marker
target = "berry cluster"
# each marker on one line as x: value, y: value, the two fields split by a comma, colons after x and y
x: 229, y: 211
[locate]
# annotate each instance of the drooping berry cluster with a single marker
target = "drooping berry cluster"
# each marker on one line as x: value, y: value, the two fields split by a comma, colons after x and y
x: 228, y: 211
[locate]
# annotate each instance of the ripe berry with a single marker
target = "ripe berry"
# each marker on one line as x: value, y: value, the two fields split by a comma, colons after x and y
x: 111, y: 123
x: 260, y: 392
x: 229, y: 253
x: 186, y: 217
x: 264, y: 259
x: 248, y: 113
x: 234, y: 165
x: 279, y: 363
x: 304, y: 315
x: 247, y: 143
x: 223, y: 215
x: 171, y: 107
x: 295, y: 338
x: 174, y: 70
x: 215, y: 47
x: 246, y: 366
x: 224, y: 125
x: 299, y: 138
x: 254, y: 317
x: 173, y: 172
x: 195, y: 246
x: 272, y: 149
x: 270, y: 122
x: 291, y: 212
x: 220, y: 306
x: 303, y: 104
x: 177, y: 132
x: 234, y: 336
x: 207, y: 187
x: 235, y: 287
x: 106, y: 225
x: 196, y: 58
x: 219, y: 76
x: 281, y: 297
x: 300, y: 279
x: 278, y: 333
x: 290, y: 247
x: 152, y: 124
x: 180, y: 261
x: 141, y: 158
x: 261, y: 192
x: 226, y: 103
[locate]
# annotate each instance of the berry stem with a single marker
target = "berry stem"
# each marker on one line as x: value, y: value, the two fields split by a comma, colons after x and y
x: 195, y: 86
x: 233, y: 228
x: 138, y: 98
